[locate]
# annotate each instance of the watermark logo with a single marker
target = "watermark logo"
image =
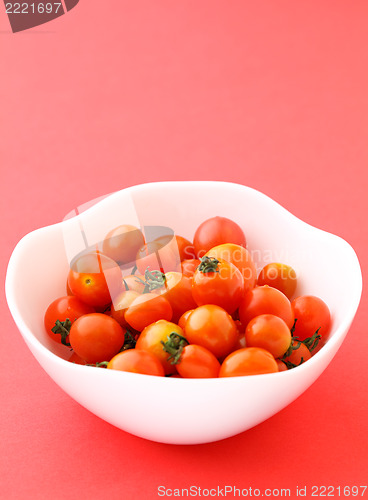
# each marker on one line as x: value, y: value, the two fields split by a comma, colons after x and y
x: 26, y: 15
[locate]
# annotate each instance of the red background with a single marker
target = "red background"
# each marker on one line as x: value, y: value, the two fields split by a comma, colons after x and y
x: 268, y: 94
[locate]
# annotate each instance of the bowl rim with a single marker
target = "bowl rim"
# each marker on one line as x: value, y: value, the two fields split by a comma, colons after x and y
x: 29, y: 337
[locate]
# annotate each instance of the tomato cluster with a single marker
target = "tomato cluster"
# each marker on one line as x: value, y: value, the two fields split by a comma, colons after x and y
x: 185, y: 309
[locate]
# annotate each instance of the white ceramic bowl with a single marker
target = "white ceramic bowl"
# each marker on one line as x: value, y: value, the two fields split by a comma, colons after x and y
x: 170, y: 410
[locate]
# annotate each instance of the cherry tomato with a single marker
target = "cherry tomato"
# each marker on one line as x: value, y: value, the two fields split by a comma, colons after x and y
x: 269, y: 332
x: 179, y: 244
x: 189, y: 266
x: 265, y: 300
x: 121, y: 304
x: 147, y: 309
x: 281, y: 365
x: 218, y: 282
x: 134, y: 282
x: 178, y: 291
x: 60, y: 315
x: 137, y: 361
x: 154, y: 256
x: 197, y: 362
x: 96, y: 337
x: 151, y: 340
x: 212, y: 327
x: 298, y: 355
x: 311, y: 314
x: 122, y: 243
x: 183, y: 318
x: 280, y: 276
x: 248, y: 361
x: 95, y: 279
x: 240, y: 257
x: 216, y: 231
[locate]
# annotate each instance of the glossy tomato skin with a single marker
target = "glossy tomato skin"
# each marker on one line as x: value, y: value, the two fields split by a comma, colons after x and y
x: 151, y: 340
x: 248, y: 361
x: 121, y: 304
x: 68, y: 307
x: 223, y: 287
x: 188, y: 266
x: 311, y: 313
x: 265, y: 300
x: 146, y: 309
x: 178, y: 291
x: 299, y: 355
x: 155, y: 257
x: 96, y: 337
x: 213, y: 328
x: 239, y: 257
x: 137, y: 361
x: 269, y: 332
x: 122, y: 243
x: 198, y: 362
x: 217, y: 231
x: 280, y: 276
x: 95, y: 279
x: 183, y: 318
x: 180, y: 245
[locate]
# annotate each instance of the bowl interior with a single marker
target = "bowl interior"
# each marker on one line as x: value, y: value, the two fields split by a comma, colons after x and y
x: 325, y: 264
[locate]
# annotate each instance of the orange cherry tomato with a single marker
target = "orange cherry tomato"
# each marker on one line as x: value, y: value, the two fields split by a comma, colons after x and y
x: 240, y: 257
x: 121, y: 304
x: 178, y: 291
x: 137, y: 361
x: 146, y: 309
x: 212, y: 327
x: 269, y: 332
x: 154, y: 256
x: 280, y: 276
x: 153, y: 336
x: 134, y: 282
x: 198, y: 362
x: 218, y: 282
x: 122, y: 243
x: 248, y: 361
x: 183, y: 318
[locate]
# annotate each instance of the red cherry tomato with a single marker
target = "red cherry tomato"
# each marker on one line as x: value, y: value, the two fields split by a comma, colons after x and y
x: 183, y: 318
x: 265, y: 300
x: 122, y: 243
x: 311, y: 314
x: 216, y: 231
x: 95, y: 279
x: 147, y: 309
x: 269, y: 332
x: 189, y: 266
x: 297, y: 356
x: 213, y: 328
x: 192, y: 361
x: 240, y: 257
x: 137, y: 361
x: 134, y: 282
x: 179, y: 245
x: 280, y: 276
x: 248, y: 361
x: 96, y: 337
x: 218, y: 282
x: 62, y: 309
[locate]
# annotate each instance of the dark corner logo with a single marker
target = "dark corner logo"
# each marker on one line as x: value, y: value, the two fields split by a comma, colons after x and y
x: 31, y: 13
